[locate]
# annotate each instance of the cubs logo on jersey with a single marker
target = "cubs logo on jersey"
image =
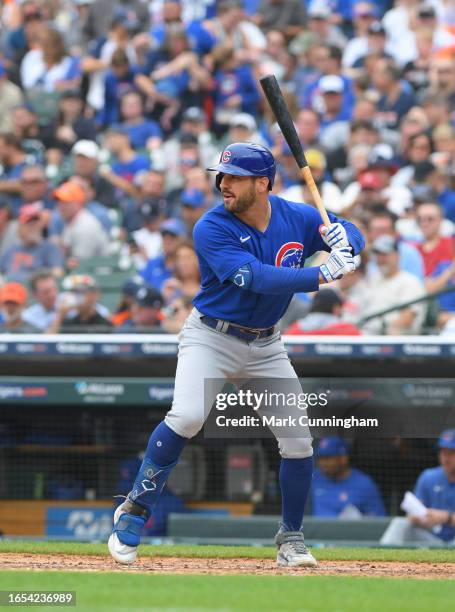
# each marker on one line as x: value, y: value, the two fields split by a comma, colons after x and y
x: 290, y: 255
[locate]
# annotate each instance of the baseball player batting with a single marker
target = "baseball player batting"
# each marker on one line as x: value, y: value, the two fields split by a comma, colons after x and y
x: 251, y: 250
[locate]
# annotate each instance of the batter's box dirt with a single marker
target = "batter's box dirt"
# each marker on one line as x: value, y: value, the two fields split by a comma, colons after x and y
x: 185, y: 565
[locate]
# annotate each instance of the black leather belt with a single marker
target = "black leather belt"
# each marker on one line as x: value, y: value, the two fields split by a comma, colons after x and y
x: 243, y: 333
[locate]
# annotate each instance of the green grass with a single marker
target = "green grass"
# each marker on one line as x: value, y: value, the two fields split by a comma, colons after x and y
x: 108, y: 591
x: 231, y: 552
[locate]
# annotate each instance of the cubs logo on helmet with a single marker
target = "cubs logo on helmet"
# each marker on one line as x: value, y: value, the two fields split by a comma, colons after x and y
x: 226, y: 156
x: 290, y: 255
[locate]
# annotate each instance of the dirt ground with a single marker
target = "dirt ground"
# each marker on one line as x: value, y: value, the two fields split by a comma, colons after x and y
x: 181, y: 565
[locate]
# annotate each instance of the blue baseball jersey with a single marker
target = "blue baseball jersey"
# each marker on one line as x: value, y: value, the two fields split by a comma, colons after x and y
x: 224, y: 244
x: 330, y: 497
x: 434, y: 490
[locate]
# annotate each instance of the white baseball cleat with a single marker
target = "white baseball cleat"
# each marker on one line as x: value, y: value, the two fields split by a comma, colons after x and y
x: 126, y: 534
x: 292, y: 551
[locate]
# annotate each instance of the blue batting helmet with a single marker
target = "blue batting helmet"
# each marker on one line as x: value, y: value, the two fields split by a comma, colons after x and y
x: 245, y: 159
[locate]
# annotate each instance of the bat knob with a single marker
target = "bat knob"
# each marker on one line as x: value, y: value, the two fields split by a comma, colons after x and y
x: 322, y: 229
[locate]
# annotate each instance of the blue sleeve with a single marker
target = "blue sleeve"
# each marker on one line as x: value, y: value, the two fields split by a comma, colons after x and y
x: 248, y: 91
x: 225, y: 256
x: 74, y: 69
x: 355, y: 237
x: 110, y: 111
x: 421, y: 490
x: 374, y: 505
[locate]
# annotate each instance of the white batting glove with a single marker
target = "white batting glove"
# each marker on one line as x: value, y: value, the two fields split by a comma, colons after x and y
x: 334, y: 236
x: 339, y: 263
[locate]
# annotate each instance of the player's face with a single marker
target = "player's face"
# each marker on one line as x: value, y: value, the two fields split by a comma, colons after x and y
x: 447, y: 460
x: 239, y: 192
x: 333, y: 467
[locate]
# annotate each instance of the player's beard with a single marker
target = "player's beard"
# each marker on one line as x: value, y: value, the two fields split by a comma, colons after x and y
x: 243, y: 202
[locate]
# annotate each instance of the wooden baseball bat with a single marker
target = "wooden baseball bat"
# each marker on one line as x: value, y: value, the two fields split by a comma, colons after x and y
x: 278, y: 105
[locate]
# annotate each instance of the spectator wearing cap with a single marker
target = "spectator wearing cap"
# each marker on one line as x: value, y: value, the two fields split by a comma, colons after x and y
x: 395, y: 100
x: 147, y: 239
x: 126, y: 162
x: 339, y: 490
x: 32, y: 251
x: 70, y: 124
x: 8, y: 227
x: 85, y: 156
x: 13, y: 298
x: 189, y: 157
x: 427, y: 17
x: 334, y: 112
x: 324, y: 318
x: 159, y: 269
x: 363, y: 14
x: 330, y: 192
x: 194, y: 122
x: 435, y: 488
x: 193, y: 206
x: 130, y: 287
x: 186, y: 278
x: 10, y: 98
x: 243, y: 128
x: 143, y: 133
x: 83, y: 235
x: 145, y: 311
x: 382, y: 223
x: 320, y: 23
x: 48, y: 66
x: 390, y: 287
x: 79, y: 307
x: 381, y: 167
x: 13, y: 159
x: 45, y: 293
x: 376, y: 45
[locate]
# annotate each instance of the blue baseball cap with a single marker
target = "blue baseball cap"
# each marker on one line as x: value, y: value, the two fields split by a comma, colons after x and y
x: 194, y: 198
x: 173, y: 226
x: 331, y: 447
x: 447, y: 439
x: 132, y: 285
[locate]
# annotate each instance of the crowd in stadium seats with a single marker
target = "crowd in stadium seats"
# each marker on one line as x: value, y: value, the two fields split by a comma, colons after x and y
x: 111, y: 111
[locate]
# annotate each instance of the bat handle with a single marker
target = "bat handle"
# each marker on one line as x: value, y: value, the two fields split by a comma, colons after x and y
x: 306, y: 173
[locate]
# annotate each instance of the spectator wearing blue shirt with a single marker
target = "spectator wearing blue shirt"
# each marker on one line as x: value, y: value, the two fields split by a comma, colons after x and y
x: 143, y: 133
x: 383, y: 224
x: 395, y: 99
x: 339, y: 489
x: 120, y: 79
x: 435, y: 488
x: 13, y: 159
x: 127, y: 163
x: 235, y: 86
x: 334, y: 113
x: 159, y: 269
